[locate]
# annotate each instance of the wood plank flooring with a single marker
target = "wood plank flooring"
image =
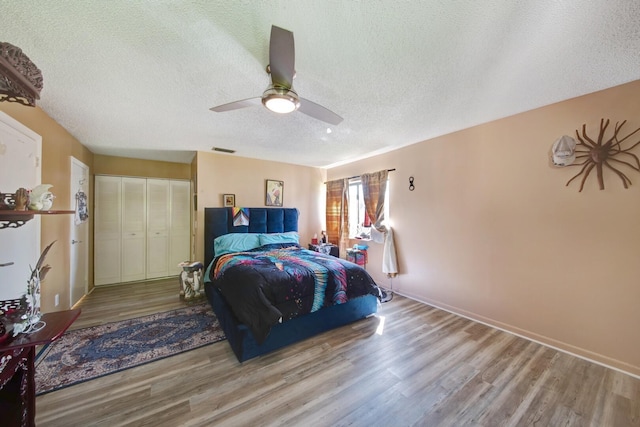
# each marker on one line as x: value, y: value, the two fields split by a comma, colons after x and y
x: 411, y: 365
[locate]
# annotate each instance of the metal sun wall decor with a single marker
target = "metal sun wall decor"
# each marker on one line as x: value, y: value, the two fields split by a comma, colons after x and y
x: 600, y: 153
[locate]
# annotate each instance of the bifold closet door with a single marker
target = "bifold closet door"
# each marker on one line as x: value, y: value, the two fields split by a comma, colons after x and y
x: 157, y: 228
x: 134, y: 229
x: 142, y: 229
x: 108, y: 230
x: 180, y: 219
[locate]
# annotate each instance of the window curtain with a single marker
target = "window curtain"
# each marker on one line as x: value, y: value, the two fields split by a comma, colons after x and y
x: 337, y: 213
x: 374, y: 187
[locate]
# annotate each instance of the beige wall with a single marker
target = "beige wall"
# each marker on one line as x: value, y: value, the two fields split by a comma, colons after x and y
x: 220, y: 174
x: 124, y: 166
x: 57, y: 147
x: 492, y: 232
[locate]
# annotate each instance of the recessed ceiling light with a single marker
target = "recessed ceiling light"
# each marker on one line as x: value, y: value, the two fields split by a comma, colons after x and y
x: 329, y: 130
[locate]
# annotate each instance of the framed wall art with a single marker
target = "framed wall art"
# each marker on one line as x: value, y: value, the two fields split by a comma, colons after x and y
x: 275, y: 193
x: 229, y: 200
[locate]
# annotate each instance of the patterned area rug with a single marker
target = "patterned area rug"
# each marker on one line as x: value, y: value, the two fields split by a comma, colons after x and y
x: 89, y: 353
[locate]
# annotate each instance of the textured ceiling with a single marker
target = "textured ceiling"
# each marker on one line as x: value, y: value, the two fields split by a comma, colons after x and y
x: 137, y: 78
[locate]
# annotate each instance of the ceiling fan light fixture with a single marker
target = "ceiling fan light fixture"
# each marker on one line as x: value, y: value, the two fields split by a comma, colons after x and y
x: 280, y: 96
x: 280, y: 100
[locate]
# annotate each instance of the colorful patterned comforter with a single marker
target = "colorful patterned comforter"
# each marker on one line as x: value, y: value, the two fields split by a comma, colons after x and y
x: 275, y: 283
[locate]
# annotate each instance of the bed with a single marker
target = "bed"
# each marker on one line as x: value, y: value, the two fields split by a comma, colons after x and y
x: 285, y: 314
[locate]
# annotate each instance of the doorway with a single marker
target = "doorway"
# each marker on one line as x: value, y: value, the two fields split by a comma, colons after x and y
x: 20, y: 150
x: 79, y: 235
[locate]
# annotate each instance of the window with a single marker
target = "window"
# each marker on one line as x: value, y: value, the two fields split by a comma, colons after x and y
x: 359, y: 223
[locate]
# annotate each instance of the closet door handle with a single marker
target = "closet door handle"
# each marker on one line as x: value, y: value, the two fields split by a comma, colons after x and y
x: 73, y: 242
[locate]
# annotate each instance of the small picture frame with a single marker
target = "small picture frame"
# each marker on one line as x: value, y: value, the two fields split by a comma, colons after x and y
x: 274, y: 193
x: 229, y: 200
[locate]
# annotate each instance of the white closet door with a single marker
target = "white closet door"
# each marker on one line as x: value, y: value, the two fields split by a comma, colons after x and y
x: 157, y: 228
x: 134, y: 227
x: 143, y: 228
x: 108, y: 230
x: 19, y: 167
x: 180, y: 217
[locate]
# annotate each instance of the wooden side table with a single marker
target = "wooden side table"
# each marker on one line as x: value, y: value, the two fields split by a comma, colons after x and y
x: 17, y: 370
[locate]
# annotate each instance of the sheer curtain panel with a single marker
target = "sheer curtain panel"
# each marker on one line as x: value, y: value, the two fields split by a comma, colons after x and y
x: 374, y: 188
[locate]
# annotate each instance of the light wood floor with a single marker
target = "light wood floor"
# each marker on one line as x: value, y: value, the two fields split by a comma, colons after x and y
x: 412, y: 365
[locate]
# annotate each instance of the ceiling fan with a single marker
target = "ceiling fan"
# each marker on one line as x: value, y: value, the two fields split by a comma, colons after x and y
x: 280, y: 96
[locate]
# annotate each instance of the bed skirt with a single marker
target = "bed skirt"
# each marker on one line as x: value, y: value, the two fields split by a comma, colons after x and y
x: 244, y: 345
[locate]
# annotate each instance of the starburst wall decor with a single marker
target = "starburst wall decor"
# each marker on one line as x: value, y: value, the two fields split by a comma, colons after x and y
x: 604, y: 153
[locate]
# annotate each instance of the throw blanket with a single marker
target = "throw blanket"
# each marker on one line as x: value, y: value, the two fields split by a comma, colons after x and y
x: 275, y: 283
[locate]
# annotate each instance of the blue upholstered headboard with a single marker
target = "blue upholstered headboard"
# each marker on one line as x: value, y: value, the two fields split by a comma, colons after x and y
x: 219, y: 221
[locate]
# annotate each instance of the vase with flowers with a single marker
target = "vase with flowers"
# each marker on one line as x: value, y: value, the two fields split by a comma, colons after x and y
x: 29, y: 321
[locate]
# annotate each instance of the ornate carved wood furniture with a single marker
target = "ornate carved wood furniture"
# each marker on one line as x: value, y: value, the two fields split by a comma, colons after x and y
x: 20, y: 79
x: 17, y: 370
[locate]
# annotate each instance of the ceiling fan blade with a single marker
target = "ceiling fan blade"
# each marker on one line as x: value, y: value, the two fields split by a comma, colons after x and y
x: 317, y: 111
x: 236, y: 105
x: 282, y: 57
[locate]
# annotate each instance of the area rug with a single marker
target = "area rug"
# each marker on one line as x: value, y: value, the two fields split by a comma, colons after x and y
x: 89, y: 353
